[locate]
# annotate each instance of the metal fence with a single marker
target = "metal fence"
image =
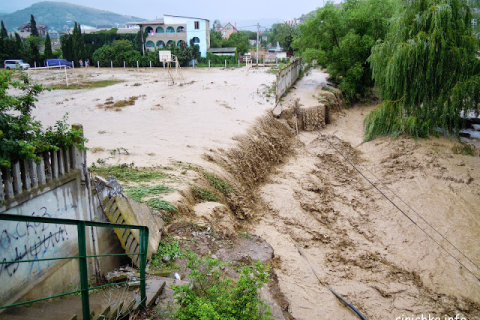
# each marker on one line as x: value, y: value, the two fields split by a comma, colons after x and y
x: 82, y: 257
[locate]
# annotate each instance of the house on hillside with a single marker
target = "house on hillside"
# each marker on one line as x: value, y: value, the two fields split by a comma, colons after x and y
x: 25, y: 29
x: 228, y: 30
x: 178, y: 31
x: 294, y: 22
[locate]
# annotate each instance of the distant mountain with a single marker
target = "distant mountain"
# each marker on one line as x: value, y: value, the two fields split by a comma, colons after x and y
x: 56, y: 15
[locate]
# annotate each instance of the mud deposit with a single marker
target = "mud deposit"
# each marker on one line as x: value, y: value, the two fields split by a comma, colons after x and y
x: 300, y: 191
x: 357, y: 241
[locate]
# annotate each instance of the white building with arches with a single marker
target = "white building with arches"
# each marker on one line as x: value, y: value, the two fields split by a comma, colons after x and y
x: 178, y: 31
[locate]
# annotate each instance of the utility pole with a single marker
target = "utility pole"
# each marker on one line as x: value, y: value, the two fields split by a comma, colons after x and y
x: 258, y: 27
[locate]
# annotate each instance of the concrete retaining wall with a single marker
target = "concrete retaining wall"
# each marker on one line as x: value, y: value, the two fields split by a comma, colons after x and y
x: 287, y: 76
x: 57, y: 187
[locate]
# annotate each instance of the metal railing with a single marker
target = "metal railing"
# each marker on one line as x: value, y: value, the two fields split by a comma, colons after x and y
x: 82, y: 257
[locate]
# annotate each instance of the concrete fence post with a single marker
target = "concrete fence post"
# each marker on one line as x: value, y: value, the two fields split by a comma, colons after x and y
x: 111, y: 64
x: 137, y: 64
x: 98, y: 64
x: 123, y: 65
x: 209, y: 63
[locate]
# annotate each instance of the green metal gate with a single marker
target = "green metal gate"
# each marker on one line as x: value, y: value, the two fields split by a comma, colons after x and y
x: 82, y: 257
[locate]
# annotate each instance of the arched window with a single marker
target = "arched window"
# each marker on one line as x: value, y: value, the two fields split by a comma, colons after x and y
x: 170, y: 30
x: 180, y: 29
x: 170, y: 43
x: 160, y: 44
x: 150, y: 44
x: 149, y: 30
x: 196, y: 40
x: 180, y: 43
x: 159, y: 30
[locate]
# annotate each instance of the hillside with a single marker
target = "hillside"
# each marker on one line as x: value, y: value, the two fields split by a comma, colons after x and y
x: 58, y: 14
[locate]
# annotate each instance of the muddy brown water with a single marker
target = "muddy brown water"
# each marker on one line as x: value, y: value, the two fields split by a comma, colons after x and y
x: 357, y: 242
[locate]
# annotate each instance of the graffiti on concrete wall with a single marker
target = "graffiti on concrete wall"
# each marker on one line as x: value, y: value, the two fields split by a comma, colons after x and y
x: 42, y: 240
x: 24, y: 244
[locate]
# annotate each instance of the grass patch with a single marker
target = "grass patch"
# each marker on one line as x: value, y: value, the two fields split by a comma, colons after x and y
x: 138, y: 193
x: 158, y: 204
x: 123, y: 103
x: 168, y: 247
x: 203, y: 195
x: 89, y: 85
x: 218, y: 183
x: 465, y: 149
x: 129, y: 173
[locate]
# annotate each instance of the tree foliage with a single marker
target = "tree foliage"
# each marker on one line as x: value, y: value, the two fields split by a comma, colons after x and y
x: 47, y: 52
x: 341, y: 39
x: 33, y: 26
x: 213, y: 295
x: 21, y: 136
x: 426, y: 70
x: 284, y: 34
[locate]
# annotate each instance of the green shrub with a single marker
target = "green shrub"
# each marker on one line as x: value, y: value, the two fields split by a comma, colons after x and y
x: 169, y: 248
x: 213, y: 295
x: 21, y: 137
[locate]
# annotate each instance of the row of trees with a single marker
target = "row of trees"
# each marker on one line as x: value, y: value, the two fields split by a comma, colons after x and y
x: 421, y: 55
x: 14, y: 47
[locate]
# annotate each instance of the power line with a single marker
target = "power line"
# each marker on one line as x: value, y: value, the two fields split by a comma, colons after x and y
x: 398, y: 208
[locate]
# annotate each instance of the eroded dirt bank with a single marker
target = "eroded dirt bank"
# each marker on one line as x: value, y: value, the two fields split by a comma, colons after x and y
x: 357, y: 241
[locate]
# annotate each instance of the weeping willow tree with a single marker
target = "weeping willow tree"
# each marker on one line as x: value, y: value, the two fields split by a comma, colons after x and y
x: 426, y: 70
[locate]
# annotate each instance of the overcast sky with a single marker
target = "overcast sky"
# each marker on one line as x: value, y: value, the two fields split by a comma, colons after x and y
x: 225, y: 11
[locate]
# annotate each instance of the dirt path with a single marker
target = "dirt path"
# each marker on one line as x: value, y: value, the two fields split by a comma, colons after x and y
x: 357, y: 241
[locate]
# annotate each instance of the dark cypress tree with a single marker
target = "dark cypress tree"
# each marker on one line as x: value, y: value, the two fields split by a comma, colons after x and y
x: 33, y: 54
x: 18, y: 51
x: 48, y: 47
x: 3, y: 32
x: 33, y: 26
x: 78, y: 44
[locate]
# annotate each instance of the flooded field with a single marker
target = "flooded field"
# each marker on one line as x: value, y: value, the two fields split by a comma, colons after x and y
x: 377, y: 242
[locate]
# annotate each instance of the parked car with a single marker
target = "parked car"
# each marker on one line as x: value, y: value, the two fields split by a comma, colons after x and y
x: 58, y: 62
x: 15, y: 64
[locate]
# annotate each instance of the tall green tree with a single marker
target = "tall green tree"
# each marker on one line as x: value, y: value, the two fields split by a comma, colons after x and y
x: 426, y: 70
x: 33, y: 26
x: 216, y: 39
x: 66, y: 44
x: 3, y: 32
x: 341, y: 39
x: 238, y: 40
x: 48, y: 47
x: 283, y: 34
x: 33, y: 53
x: 19, y: 46
x: 78, y: 44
